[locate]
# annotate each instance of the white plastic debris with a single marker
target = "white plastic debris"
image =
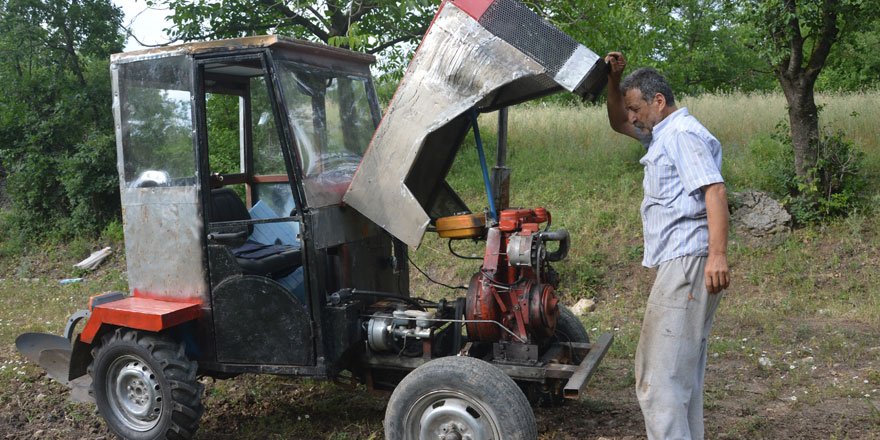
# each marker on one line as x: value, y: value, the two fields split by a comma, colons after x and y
x: 765, y: 362
x: 94, y: 260
x: 70, y: 281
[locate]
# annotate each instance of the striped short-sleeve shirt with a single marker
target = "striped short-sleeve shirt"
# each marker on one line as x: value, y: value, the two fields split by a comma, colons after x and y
x: 682, y: 158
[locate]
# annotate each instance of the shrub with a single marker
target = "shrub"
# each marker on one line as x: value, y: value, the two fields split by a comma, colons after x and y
x: 91, y: 186
x: 833, y: 188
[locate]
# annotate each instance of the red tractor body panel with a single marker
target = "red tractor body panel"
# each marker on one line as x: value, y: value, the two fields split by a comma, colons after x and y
x: 140, y: 313
x: 474, y: 8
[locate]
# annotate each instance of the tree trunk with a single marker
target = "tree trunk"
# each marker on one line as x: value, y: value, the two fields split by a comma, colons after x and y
x: 803, y: 117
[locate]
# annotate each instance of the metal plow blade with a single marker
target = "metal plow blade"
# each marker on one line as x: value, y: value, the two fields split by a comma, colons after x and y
x: 30, y: 345
x: 52, y: 353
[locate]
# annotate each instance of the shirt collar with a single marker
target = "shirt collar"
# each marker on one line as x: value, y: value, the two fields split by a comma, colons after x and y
x: 658, y: 129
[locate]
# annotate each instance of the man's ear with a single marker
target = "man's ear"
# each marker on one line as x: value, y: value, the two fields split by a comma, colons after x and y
x: 661, y: 100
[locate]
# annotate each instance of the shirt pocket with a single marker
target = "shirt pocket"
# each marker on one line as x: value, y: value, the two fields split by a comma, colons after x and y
x: 660, y: 181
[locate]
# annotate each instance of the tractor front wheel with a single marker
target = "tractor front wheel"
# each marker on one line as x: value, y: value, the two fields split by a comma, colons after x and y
x: 459, y: 398
x: 145, y: 387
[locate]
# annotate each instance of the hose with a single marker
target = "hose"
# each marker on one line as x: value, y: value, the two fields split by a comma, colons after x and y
x: 564, y: 240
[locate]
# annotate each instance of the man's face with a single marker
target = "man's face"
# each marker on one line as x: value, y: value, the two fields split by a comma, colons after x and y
x: 644, y: 115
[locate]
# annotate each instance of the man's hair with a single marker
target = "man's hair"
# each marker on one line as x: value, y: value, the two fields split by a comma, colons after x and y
x: 650, y: 82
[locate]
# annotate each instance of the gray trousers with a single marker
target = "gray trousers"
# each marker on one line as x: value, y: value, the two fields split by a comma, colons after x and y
x: 671, y: 356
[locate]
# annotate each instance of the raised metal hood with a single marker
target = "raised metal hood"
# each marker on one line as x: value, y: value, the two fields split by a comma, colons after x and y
x: 477, y: 54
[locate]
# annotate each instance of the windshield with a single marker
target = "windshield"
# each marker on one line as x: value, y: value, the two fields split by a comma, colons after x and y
x: 330, y: 115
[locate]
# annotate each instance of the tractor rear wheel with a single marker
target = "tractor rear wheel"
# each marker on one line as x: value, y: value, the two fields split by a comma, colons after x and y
x: 145, y: 387
x: 459, y: 398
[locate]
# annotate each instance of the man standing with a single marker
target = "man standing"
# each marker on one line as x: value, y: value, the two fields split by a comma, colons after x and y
x: 685, y: 223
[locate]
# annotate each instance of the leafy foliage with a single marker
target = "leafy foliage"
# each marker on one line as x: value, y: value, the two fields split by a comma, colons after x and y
x: 56, y: 133
x: 223, y: 133
x: 854, y: 63
x: 834, y: 187
x: 372, y: 26
x: 56, y: 130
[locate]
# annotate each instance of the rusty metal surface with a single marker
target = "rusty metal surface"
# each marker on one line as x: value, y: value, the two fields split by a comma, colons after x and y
x: 163, y: 242
x: 578, y: 380
x: 262, y: 41
x: 460, y: 65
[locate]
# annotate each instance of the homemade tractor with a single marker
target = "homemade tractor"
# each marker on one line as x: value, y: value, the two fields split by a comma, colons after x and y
x: 262, y: 234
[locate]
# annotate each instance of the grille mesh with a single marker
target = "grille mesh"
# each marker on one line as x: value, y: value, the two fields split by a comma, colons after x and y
x: 513, y: 22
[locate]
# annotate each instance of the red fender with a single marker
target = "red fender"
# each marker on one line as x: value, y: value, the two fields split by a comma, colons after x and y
x: 139, y: 313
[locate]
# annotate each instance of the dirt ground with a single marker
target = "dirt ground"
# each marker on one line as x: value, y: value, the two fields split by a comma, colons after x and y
x: 742, y: 403
x: 820, y: 380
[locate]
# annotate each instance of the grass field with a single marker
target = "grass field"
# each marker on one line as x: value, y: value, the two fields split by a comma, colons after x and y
x: 795, y: 352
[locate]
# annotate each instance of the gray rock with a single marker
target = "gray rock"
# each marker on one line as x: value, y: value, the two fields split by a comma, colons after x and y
x: 758, y: 214
x: 583, y: 307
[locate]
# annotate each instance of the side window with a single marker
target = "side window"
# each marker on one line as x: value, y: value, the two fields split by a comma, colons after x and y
x: 157, y: 123
x: 268, y: 158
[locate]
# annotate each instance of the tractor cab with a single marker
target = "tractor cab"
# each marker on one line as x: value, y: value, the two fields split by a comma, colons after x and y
x: 233, y: 160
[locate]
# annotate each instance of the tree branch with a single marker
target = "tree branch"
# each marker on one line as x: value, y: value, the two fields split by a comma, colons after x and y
x: 417, y: 33
x: 338, y: 19
x: 825, y: 39
x: 318, y: 16
x: 297, y: 19
x: 363, y: 9
x: 131, y: 34
x: 797, y: 40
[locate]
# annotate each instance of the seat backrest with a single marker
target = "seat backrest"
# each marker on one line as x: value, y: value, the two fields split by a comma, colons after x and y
x: 226, y: 206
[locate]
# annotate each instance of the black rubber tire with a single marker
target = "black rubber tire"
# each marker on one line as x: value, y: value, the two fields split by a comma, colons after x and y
x: 164, y: 381
x: 569, y: 327
x: 462, y: 390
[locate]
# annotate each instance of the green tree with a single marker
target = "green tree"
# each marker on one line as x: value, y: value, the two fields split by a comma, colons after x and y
x: 697, y: 44
x: 56, y: 129
x: 796, y: 38
x: 854, y: 62
x: 372, y: 26
x: 701, y: 48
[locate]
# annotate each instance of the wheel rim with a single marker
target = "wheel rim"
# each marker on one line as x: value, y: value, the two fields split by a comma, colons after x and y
x: 450, y: 415
x: 134, y: 393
